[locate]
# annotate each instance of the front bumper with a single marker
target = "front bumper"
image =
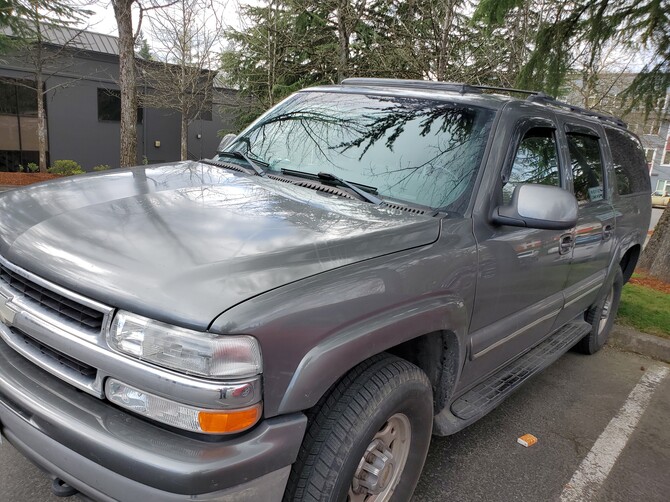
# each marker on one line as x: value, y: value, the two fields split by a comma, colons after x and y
x: 109, y: 454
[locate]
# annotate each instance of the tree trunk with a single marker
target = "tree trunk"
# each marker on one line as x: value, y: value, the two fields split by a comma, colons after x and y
x: 184, y: 136
x: 39, y: 60
x: 445, y: 49
x: 272, y: 52
x: 655, y: 259
x: 41, y: 125
x: 343, y: 36
x: 124, y: 21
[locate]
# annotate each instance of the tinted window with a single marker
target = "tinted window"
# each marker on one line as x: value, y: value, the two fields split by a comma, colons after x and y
x: 109, y: 106
x: 587, y: 167
x: 630, y: 167
x: 414, y: 150
x: 536, y: 161
x: 20, y: 98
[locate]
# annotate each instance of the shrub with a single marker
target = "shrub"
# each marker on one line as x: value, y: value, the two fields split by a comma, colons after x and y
x: 65, y: 168
x: 102, y: 167
x: 32, y: 167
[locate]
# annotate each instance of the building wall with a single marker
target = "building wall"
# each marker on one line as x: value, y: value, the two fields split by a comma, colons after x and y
x: 76, y: 133
x: 658, y: 143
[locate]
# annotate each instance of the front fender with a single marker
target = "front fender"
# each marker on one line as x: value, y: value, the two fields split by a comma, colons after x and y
x: 324, y: 364
x: 312, y: 331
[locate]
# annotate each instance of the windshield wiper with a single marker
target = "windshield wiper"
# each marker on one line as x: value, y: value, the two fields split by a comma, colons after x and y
x: 328, y: 177
x: 239, y: 155
x: 361, y: 193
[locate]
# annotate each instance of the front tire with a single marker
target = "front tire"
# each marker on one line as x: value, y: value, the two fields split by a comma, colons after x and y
x: 368, y: 438
x: 601, y: 316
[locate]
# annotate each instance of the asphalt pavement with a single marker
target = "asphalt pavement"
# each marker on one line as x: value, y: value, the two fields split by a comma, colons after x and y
x: 568, y: 408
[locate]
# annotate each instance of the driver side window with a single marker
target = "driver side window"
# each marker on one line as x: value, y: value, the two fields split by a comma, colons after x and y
x: 536, y: 161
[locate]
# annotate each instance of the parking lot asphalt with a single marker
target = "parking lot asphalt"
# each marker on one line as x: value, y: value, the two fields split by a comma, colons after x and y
x: 569, y: 407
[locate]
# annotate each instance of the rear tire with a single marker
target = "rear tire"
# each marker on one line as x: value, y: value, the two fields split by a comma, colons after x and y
x: 367, y: 439
x: 601, y: 316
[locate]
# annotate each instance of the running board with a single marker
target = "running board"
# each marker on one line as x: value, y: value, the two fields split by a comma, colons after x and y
x: 488, y: 394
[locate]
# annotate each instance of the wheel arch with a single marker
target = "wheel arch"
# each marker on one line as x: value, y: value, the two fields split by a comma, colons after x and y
x: 629, y: 260
x: 410, y: 332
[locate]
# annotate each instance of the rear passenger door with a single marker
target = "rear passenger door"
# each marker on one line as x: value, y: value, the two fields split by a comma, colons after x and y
x: 584, y: 149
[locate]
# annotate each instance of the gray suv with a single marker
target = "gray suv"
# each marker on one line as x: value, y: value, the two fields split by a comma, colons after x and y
x: 365, y: 265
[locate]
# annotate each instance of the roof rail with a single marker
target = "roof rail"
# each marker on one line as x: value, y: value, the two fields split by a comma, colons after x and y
x: 543, y: 99
x: 538, y: 97
x: 511, y: 89
x: 412, y: 84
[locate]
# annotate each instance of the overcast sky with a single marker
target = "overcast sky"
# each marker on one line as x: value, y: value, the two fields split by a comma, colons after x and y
x: 102, y: 21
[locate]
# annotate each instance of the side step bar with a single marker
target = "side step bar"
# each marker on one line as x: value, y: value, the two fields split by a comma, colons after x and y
x: 488, y: 394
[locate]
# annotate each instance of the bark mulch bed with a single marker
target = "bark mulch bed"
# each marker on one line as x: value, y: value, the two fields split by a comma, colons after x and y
x: 21, y: 179
x: 651, y: 282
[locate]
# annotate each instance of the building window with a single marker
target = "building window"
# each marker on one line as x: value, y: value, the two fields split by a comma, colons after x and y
x: 18, y: 123
x: 649, y: 154
x: 205, y: 114
x: 654, y: 128
x: 666, y: 153
x: 109, y: 106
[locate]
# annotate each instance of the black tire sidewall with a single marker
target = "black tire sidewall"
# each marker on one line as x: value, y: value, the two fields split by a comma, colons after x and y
x: 597, y: 340
x: 412, y: 399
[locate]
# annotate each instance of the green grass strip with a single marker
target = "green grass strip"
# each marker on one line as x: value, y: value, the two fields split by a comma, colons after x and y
x: 645, y: 309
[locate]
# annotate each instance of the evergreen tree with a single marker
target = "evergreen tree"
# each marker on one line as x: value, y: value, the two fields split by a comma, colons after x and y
x: 142, y: 48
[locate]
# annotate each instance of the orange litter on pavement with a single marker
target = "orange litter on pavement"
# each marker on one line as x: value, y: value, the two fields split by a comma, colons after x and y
x: 527, y: 440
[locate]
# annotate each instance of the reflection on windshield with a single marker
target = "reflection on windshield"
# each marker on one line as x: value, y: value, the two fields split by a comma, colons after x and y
x: 415, y: 150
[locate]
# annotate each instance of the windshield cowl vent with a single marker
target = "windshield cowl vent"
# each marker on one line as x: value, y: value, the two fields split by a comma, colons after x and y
x: 324, y: 188
x: 279, y: 178
x: 314, y: 186
x: 407, y: 209
x: 227, y: 165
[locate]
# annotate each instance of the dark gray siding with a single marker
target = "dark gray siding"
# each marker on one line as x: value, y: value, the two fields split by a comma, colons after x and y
x: 75, y: 132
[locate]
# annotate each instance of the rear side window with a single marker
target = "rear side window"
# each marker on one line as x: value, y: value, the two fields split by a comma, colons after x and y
x: 630, y: 166
x: 587, y: 167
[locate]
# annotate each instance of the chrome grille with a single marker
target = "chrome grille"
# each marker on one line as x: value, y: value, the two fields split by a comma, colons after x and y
x: 57, y: 357
x: 86, y: 317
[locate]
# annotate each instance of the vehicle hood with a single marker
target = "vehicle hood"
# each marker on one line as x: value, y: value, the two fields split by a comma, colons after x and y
x: 184, y: 242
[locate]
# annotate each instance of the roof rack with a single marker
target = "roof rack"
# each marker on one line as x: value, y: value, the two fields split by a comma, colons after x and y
x: 511, y: 90
x: 548, y: 100
x: 533, y: 96
x: 413, y: 84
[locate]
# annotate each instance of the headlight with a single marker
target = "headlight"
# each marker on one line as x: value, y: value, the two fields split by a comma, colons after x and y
x: 185, y: 350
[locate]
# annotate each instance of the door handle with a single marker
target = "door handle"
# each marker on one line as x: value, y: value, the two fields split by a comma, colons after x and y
x: 607, y: 232
x: 565, y: 244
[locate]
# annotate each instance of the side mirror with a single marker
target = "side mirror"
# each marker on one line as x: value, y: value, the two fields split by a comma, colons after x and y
x: 539, y: 206
x: 225, y: 141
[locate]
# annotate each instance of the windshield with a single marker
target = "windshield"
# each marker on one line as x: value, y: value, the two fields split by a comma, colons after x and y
x: 413, y: 150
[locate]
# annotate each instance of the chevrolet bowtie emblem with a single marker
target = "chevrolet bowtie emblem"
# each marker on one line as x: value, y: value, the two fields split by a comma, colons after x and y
x: 6, y: 313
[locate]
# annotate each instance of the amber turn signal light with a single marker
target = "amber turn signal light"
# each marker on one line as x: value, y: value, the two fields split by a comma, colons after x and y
x: 226, y: 422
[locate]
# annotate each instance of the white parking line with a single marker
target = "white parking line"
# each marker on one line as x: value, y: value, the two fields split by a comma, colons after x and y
x: 594, y: 469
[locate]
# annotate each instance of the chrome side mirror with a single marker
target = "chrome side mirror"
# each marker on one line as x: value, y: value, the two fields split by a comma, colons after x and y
x: 539, y: 206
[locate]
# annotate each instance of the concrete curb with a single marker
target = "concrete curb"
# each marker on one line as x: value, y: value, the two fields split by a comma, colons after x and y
x: 631, y: 340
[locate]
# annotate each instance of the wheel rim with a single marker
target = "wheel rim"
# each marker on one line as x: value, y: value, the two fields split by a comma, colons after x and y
x: 381, y: 466
x: 605, y: 312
